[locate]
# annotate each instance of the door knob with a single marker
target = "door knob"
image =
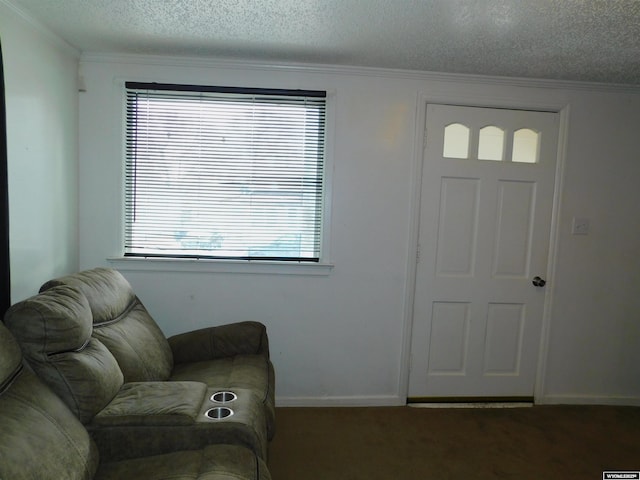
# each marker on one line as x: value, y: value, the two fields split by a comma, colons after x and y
x: 538, y: 282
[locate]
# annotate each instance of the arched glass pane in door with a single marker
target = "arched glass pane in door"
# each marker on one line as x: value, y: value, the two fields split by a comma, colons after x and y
x: 456, y: 141
x: 525, y: 146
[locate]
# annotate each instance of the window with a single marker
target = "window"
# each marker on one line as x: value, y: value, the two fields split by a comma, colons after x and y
x: 219, y: 172
x: 456, y: 141
x: 526, y: 146
x: 491, y: 143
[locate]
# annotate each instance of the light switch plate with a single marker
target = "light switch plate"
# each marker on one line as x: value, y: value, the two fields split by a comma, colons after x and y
x: 580, y: 226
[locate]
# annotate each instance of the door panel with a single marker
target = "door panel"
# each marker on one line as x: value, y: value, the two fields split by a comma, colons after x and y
x: 450, y: 326
x: 486, y: 200
x: 503, y: 348
x: 456, y: 248
x: 515, y: 211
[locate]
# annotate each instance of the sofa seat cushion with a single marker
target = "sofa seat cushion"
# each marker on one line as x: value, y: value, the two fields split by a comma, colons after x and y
x: 154, y: 403
x: 216, y: 462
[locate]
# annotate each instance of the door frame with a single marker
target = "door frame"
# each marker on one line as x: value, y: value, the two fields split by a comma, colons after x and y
x: 485, y: 101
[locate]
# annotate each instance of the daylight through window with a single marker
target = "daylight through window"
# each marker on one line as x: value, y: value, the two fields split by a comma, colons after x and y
x: 219, y: 172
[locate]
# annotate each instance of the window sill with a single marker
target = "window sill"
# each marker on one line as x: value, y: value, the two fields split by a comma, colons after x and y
x: 142, y: 264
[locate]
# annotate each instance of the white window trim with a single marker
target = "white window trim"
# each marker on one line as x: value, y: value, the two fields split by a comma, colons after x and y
x: 206, y: 265
x: 323, y: 267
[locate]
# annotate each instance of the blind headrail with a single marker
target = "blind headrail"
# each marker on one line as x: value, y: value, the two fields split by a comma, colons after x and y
x: 220, y: 89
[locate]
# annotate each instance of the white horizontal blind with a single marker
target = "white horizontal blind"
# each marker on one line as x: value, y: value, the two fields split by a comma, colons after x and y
x: 222, y: 172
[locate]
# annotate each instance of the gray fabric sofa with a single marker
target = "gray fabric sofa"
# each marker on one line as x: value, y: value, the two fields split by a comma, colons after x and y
x: 40, y: 438
x: 234, y: 356
x: 88, y: 337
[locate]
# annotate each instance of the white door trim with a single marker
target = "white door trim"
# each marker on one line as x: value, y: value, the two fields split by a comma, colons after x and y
x: 563, y: 108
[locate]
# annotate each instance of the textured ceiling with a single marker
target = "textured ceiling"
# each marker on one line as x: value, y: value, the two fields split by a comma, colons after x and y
x: 584, y: 40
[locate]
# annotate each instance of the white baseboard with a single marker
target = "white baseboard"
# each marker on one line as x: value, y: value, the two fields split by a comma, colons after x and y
x: 359, y: 401
x: 631, y: 401
x: 394, y: 401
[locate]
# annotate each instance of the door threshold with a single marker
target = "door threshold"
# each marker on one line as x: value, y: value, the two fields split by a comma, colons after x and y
x: 471, y: 405
x: 470, y: 402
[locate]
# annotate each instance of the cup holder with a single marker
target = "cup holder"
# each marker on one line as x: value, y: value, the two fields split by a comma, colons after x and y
x: 223, y: 397
x: 218, y: 413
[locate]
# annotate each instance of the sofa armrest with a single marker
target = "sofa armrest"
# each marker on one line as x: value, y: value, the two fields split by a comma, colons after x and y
x: 242, y: 338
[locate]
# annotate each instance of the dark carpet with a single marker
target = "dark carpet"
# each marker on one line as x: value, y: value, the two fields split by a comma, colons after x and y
x: 384, y: 443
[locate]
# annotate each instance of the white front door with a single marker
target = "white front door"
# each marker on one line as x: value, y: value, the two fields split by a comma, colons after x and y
x: 485, y: 215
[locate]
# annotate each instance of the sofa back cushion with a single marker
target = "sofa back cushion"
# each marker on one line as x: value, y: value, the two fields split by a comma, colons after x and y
x: 122, y: 324
x: 54, y: 330
x: 39, y: 437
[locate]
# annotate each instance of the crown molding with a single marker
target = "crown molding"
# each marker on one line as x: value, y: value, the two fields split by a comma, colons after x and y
x: 42, y: 29
x: 254, y: 65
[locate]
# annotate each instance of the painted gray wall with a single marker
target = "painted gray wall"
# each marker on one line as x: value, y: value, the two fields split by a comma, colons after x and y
x: 42, y: 140
x: 341, y: 337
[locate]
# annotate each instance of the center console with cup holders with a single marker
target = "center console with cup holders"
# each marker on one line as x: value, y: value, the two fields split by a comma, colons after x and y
x: 166, y: 416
